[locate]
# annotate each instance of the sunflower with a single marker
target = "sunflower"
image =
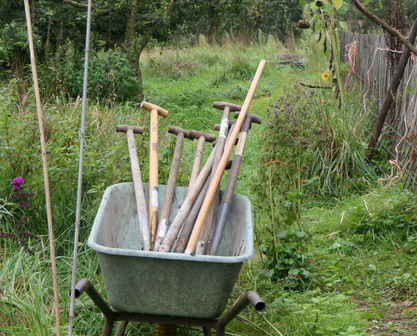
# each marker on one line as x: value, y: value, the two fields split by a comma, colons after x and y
x: 325, y: 76
x: 319, y: 3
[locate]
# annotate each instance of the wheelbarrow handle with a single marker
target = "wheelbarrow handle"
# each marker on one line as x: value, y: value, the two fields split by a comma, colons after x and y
x: 84, y: 285
x: 249, y: 297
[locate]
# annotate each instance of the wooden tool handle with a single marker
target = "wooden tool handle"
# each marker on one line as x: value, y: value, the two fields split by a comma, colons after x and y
x: 222, y: 105
x: 189, y: 222
x: 169, y: 193
x: 152, y: 107
x: 153, y: 176
x: 237, y: 159
x: 182, y: 214
x: 219, y: 171
x: 197, y: 161
x: 124, y: 128
x: 140, y: 195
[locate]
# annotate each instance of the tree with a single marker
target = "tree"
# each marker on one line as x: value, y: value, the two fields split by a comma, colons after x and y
x: 129, y: 24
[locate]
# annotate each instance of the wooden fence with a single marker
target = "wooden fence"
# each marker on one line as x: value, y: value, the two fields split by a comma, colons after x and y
x: 366, y: 54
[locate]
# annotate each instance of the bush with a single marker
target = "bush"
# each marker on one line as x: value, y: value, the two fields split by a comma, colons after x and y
x: 110, y: 76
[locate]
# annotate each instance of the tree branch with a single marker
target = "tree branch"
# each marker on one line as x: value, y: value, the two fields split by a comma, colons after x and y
x: 389, y: 96
x: 386, y: 26
x: 152, y: 30
x: 85, y: 6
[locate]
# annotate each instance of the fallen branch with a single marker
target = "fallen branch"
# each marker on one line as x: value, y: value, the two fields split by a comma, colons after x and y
x: 315, y: 86
x: 391, y: 93
x: 387, y: 27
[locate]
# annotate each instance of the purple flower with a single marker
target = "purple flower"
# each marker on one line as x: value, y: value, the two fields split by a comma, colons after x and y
x: 17, y: 182
x: 24, y: 204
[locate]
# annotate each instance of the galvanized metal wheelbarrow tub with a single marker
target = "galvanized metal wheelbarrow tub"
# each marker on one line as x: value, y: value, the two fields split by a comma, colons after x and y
x: 168, y: 284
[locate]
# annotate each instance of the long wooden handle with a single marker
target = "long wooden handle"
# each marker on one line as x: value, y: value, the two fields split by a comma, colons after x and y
x: 208, y: 222
x: 197, y: 161
x: 182, y: 214
x: 230, y: 188
x: 169, y: 193
x: 219, y: 171
x: 139, y: 194
x: 153, y: 176
x: 237, y: 159
x: 187, y: 228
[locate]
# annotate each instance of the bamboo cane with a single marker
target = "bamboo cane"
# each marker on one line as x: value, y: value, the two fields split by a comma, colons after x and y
x: 45, y: 167
x: 80, y: 170
x: 219, y: 171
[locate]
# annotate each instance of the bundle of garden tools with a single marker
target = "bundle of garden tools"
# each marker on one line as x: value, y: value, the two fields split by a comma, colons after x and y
x: 198, y: 225
x: 197, y: 228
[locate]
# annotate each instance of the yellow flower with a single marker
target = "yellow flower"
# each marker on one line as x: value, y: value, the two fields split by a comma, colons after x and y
x: 325, y: 76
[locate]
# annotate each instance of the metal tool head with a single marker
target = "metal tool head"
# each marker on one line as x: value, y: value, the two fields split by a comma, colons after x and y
x: 253, y: 117
x: 125, y: 128
x: 217, y: 126
x: 178, y: 130
x: 150, y: 107
x: 223, y: 105
x: 197, y: 134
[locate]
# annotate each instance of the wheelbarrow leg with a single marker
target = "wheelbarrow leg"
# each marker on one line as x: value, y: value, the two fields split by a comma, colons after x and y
x: 87, y: 286
x: 108, y: 327
x: 249, y: 297
x: 207, y: 331
x: 121, y: 328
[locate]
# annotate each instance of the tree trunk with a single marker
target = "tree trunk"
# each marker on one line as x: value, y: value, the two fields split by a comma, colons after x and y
x: 135, y: 51
x: 389, y: 96
x: 132, y: 54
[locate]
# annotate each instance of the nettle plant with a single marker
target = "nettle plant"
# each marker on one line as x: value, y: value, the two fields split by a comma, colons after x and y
x: 323, y: 16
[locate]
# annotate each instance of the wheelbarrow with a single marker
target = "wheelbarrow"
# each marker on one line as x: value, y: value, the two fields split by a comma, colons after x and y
x: 166, y: 288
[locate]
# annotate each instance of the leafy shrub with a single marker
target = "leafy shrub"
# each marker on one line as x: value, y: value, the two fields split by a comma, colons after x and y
x: 285, y: 259
x: 109, y: 74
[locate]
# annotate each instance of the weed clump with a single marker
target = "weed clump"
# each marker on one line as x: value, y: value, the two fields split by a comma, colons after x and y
x: 309, y: 149
x: 389, y: 216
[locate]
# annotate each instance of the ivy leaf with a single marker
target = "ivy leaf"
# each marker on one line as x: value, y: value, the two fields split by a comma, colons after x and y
x: 337, y: 4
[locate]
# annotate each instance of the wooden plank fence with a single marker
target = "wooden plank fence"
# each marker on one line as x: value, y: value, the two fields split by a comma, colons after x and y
x: 399, y: 135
